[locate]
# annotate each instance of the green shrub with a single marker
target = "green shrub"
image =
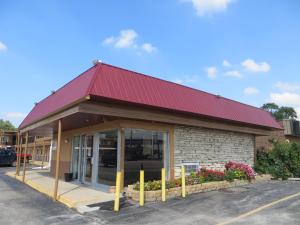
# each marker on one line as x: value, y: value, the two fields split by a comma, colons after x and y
x: 232, y: 174
x: 282, y: 162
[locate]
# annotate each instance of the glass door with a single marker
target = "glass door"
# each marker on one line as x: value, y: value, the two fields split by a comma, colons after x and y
x: 82, y: 158
x: 88, y: 158
x: 75, y: 157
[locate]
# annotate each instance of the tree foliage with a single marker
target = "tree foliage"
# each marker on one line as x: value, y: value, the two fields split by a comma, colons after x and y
x: 6, y: 125
x: 282, y: 162
x: 280, y: 113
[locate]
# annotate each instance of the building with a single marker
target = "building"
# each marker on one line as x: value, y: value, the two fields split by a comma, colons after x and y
x: 290, y: 132
x: 7, y: 138
x: 110, y: 119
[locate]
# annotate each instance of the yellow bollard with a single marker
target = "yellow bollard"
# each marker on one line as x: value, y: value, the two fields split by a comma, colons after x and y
x: 183, y: 181
x: 117, y: 192
x: 163, y: 184
x: 142, y: 188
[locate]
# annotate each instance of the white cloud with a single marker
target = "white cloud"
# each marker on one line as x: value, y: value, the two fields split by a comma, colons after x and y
x: 211, y: 72
x: 15, y: 115
x: 187, y: 79
x: 128, y: 39
x: 251, y: 91
x: 233, y: 73
x: 3, y: 47
x: 149, y: 48
x: 225, y: 63
x: 252, y: 66
x: 178, y: 81
x: 109, y: 40
x: 289, y: 87
x: 286, y: 98
x: 209, y: 7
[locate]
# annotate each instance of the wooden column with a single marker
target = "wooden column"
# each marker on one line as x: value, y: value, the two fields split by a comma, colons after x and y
x: 34, y: 150
x: 20, y: 152
x: 171, y: 146
x: 122, y: 158
x: 57, y: 160
x: 43, y: 154
x: 24, y: 158
x: 17, y: 151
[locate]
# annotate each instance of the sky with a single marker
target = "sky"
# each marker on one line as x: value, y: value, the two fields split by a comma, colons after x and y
x: 246, y: 50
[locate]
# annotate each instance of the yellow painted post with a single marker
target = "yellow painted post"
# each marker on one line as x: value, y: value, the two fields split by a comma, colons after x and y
x: 163, y: 184
x: 117, y: 193
x: 183, y: 181
x: 141, y: 187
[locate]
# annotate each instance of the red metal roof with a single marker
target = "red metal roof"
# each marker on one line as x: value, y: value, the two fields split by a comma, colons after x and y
x: 116, y: 83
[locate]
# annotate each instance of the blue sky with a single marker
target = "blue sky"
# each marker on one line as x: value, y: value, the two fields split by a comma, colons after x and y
x: 245, y: 50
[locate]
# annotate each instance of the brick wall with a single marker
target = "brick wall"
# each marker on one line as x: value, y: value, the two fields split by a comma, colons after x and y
x: 211, y: 148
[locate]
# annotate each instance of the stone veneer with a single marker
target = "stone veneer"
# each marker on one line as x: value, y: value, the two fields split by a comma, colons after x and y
x: 211, y: 148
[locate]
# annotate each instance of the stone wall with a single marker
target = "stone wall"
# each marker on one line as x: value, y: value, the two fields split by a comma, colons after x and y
x: 211, y: 148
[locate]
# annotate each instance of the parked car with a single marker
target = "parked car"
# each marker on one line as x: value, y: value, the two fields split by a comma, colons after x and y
x: 8, y: 157
x: 27, y: 157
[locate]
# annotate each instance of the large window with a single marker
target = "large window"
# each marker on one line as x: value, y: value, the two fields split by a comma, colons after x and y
x: 144, y: 149
x: 107, y: 161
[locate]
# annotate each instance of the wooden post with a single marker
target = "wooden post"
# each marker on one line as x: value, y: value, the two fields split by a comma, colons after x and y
x: 34, y: 151
x: 57, y: 160
x: 43, y: 154
x: 17, y: 151
x: 20, y: 153
x: 24, y: 158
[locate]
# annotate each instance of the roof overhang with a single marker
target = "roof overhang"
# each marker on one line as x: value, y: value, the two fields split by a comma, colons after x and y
x: 91, y: 112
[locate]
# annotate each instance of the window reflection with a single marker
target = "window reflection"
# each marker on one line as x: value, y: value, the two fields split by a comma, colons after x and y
x: 143, y: 148
x: 107, y: 164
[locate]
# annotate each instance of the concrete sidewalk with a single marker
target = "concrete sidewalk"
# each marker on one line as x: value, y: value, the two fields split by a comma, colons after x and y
x: 69, y: 193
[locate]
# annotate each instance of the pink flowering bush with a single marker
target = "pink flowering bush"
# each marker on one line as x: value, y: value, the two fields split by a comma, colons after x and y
x: 242, y: 167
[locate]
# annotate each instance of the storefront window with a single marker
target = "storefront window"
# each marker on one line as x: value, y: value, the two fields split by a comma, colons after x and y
x: 143, y: 149
x: 107, y: 164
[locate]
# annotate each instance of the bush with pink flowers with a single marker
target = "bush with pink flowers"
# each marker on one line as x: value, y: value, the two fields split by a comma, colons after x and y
x: 247, y: 169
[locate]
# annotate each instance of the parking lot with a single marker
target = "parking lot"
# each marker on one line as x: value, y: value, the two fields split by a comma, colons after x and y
x: 274, y: 202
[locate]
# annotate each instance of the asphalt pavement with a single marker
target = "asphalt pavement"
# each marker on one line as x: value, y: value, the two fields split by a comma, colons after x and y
x: 272, y: 202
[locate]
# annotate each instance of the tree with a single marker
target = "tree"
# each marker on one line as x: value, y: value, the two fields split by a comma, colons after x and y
x: 6, y: 125
x: 280, y: 113
x: 270, y: 107
x: 285, y: 113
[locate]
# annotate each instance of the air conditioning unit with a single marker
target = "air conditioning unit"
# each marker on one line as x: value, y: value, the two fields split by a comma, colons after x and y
x: 190, y: 167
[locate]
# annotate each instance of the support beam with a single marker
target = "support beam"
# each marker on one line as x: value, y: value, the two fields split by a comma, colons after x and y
x: 57, y: 160
x: 43, y: 155
x: 122, y: 157
x: 17, y: 151
x: 34, y: 150
x: 20, y: 152
x: 24, y: 158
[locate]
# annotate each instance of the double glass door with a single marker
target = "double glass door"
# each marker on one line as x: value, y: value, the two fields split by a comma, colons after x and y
x: 96, y: 165
x: 82, y: 158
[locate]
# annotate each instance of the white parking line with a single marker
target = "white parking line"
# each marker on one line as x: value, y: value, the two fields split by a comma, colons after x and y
x: 259, y: 209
